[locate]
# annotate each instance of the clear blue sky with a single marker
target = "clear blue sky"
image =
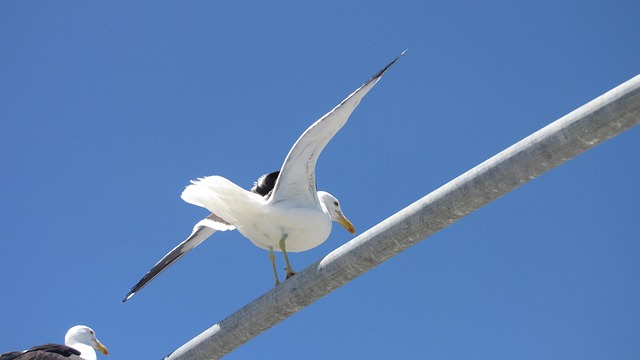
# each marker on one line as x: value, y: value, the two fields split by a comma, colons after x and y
x: 107, y: 110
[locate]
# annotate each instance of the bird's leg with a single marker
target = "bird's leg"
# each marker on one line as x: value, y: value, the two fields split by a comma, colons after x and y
x: 290, y: 271
x: 272, y: 257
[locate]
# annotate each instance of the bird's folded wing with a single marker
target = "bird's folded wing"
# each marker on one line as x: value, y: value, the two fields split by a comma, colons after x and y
x: 46, y: 351
x: 201, y: 231
x: 297, y: 180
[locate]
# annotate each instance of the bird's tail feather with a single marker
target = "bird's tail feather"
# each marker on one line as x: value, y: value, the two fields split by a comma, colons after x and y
x: 220, y: 196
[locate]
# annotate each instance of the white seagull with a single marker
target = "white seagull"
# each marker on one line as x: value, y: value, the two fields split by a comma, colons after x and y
x: 284, y: 211
x: 79, y: 343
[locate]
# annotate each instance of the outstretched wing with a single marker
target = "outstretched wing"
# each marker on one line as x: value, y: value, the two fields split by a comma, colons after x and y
x: 201, y: 231
x: 297, y: 180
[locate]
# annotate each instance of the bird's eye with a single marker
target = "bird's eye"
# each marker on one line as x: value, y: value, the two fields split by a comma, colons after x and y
x: 91, y: 331
x: 335, y: 203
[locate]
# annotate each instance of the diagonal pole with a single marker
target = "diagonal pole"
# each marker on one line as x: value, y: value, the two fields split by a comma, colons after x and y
x: 595, y: 122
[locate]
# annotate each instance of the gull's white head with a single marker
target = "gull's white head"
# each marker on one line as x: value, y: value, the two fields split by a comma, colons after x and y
x: 83, y: 339
x: 331, y: 206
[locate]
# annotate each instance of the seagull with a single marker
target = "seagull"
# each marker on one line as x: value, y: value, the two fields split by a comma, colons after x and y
x: 79, y: 343
x: 283, y: 211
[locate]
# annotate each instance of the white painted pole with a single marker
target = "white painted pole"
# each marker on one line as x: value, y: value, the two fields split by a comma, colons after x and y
x: 597, y: 121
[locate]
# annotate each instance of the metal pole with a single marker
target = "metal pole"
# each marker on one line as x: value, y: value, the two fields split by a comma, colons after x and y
x: 597, y: 121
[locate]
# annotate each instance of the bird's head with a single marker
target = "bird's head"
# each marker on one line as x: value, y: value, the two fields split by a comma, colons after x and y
x: 81, y: 334
x: 331, y: 206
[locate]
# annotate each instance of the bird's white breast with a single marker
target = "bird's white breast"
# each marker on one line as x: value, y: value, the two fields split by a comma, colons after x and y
x: 305, y: 228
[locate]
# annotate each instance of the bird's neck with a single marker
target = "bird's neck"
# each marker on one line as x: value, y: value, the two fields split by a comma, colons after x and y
x: 86, y: 351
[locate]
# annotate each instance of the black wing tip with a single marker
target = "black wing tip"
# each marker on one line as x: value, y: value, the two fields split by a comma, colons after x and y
x: 134, y: 290
x: 381, y: 72
x: 128, y: 296
x: 162, y: 265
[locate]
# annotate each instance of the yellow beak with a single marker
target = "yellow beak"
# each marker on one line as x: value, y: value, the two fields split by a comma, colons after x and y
x: 103, y: 349
x: 342, y: 220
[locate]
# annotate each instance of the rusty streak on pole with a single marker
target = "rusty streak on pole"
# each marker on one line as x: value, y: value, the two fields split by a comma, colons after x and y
x: 597, y: 121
